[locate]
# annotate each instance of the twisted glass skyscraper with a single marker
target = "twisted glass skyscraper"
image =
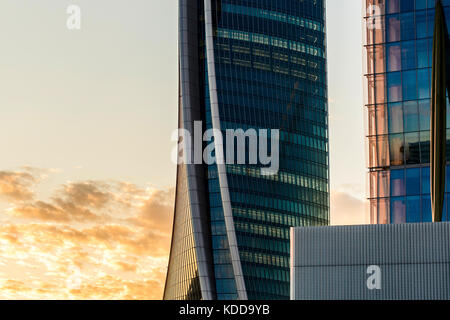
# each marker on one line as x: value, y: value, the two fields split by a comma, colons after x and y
x: 399, y: 54
x: 245, y: 64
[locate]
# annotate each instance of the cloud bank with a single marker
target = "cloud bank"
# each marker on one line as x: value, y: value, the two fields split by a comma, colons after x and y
x: 89, y: 240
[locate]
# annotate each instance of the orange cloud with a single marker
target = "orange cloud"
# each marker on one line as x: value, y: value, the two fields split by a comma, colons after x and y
x: 156, y: 211
x: 90, y: 240
x: 109, y: 287
x: 44, y: 211
x: 79, y: 201
x: 16, y: 186
x: 91, y: 194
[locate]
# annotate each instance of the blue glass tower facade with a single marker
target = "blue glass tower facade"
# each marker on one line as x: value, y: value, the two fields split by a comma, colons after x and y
x: 249, y: 64
x: 399, y: 54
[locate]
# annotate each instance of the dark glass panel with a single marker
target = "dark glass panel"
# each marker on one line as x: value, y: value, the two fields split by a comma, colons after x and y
x: 394, y: 57
x: 413, y: 181
x: 398, y: 210
x: 421, y: 24
x: 424, y: 111
x: 395, y: 117
x: 397, y: 149
x: 411, y: 116
x: 412, y: 148
x: 447, y: 181
x: 422, y: 53
x: 425, y: 179
x: 421, y: 4
x: 430, y: 22
x: 407, y: 26
x: 224, y: 271
x: 445, y: 215
x: 425, y: 147
x: 393, y: 28
x: 398, y: 182
x: 447, y: 14
x: 394, y: 84
x: 424, y: 83
x: 408, y: 55
x: 409, y: 85
x: 448, y: 145
x: 392, y: 6
x: 413, y: 209
x: 226, y: 286
x: 407, y: 5
x: 426, y: 209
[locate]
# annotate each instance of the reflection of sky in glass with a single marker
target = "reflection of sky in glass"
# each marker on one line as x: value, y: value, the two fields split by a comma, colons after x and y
x: 408, y: 52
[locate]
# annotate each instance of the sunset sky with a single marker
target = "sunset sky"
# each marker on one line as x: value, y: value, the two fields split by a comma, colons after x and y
x: 86, y: 181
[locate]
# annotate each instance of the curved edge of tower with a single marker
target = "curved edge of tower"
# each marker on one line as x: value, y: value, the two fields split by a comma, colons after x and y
x: 190, y: 273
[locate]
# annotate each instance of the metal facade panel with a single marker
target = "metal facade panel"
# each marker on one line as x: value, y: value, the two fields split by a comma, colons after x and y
x: 332, y: 262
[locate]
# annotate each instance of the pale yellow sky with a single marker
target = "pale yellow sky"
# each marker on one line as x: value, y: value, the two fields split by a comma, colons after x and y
x: 86, y: 181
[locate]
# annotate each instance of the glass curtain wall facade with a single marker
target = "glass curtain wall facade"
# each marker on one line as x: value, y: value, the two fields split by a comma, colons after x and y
x: 399, y: 48
x: 267, y: 60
